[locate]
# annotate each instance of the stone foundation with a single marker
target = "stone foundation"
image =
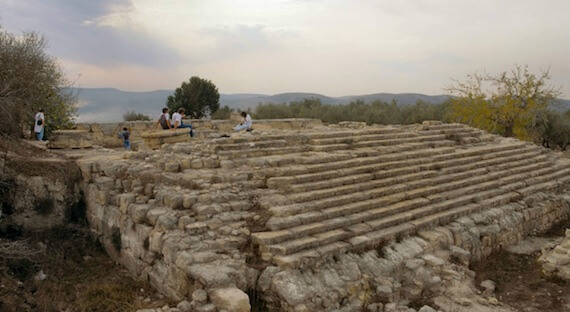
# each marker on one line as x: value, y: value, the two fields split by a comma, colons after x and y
x: 70, y: 139
x: 155, y: 139
x: 348, y: 217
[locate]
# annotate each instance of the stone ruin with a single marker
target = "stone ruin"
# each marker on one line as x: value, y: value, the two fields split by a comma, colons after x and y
x: 311, y: 217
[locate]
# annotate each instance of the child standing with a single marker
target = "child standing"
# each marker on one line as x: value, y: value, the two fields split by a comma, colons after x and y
x: 125, y: 136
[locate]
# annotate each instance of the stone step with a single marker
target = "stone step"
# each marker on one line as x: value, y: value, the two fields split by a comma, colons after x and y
x: 330, y: 170
x: 329, y: 179
x: 368, y: 137
x: 396, y: 141
x: 452, y: 131
x: 372, y: 226
x: 438, y: 154
x: 342, y: 189
x: 355, y: 133
x: 474, y: 151
x: 372, y: 239
x: 309, y: 162
x: 232, y: 154
x: 251, y: 145
x: 444, y: 127
x: 544, y: 183
x: 416, y: 184
x: 349, y: 214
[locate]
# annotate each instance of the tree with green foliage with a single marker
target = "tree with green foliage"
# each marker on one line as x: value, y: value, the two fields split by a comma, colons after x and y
x: 199, y: 97
x: 552, y: 129
x: 376, y: 112
x: 133, y: 116
x: 505, y: 103
x: 30, y: 79
x: 223, y: 113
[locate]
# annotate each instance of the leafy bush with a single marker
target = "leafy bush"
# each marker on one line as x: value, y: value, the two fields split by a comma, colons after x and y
x: 31, y: 79
x: 552, y: 129
x: 376, y: 112
x: 222, y: 113
x: 132, y: 116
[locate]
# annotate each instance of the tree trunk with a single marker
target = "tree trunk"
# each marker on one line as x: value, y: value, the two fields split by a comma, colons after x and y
x: 509, y: 130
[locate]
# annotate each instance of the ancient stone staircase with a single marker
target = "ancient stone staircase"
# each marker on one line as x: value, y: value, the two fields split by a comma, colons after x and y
x: 387, y: 183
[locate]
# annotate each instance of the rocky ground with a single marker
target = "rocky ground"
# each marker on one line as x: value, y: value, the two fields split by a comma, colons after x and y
x: 518, y: 278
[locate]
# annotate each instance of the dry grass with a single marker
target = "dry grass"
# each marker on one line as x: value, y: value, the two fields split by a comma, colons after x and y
x: 80, y: 277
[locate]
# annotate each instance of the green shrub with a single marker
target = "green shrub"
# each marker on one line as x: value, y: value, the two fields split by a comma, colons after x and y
x: 132, y: 116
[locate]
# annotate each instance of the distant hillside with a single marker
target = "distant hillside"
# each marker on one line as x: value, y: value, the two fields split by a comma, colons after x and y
x: 109, y: 105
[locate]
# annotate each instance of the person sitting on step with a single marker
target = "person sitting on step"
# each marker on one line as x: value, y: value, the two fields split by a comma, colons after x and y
x: 178, y: 123
x: 245, y: 122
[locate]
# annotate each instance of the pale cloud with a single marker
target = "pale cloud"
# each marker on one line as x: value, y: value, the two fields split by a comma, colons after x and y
x: 332, y: 47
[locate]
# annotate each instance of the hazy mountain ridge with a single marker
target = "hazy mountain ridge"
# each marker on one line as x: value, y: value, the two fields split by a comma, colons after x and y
x: 109, y: 104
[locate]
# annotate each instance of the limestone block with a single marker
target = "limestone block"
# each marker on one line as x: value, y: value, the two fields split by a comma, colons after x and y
x: 200, y: 296
x: 183, y: 221
x: 188, y: 201
x: 196, y: 164
x: 155, y: 139
x: 432, y: 260
x: 184, y: 258
x: 211, y: 163
x: 125, y: 200
x: 230, y: 299
x: 70, y: 139
x: 196, y: 228
x: 105, y: 183
x: 167, y: 221
x: 184, y: 306
x: 155, y: 241
x: 153, y: 214
x: 213, y: 276
x: 186, y: 163
x: 176, y: 202
x: 138, y: 212
x: 172, y: 167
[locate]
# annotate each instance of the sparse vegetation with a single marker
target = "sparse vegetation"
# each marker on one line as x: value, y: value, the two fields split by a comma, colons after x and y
x: 31, y: 79
x: 133, y: 116
x: 222, y: 113
x: 506, y: 103
x: 376, y: 112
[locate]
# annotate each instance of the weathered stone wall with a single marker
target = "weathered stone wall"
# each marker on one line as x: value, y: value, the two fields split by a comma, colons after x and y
x: 107, y: 134
x: 38, y: 193
x: 434, y: 262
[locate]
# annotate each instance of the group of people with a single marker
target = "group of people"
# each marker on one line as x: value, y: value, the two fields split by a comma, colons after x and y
x: 164, y: 121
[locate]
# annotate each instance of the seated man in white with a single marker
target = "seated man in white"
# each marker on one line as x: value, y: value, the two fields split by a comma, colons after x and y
x: 245, y: 122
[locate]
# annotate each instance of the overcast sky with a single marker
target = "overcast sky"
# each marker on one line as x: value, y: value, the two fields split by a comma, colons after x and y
x: 331, y: 47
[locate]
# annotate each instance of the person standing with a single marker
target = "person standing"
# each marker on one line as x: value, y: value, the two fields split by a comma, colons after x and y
x: 39, y: 124
x: 125, y: 135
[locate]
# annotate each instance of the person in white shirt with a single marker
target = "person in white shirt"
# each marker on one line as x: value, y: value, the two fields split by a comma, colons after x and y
x: 39, y: 124
x: 164, y: 119
x: 245, y: 122
x: 178, y: 123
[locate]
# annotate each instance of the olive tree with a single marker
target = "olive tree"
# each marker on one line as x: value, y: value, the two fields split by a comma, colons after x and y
x: 505, y: 103
x: 30, y: 79
x: 199, y: 97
